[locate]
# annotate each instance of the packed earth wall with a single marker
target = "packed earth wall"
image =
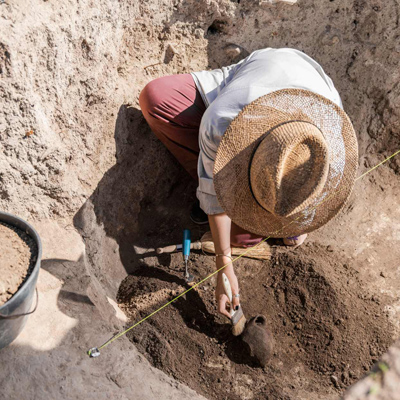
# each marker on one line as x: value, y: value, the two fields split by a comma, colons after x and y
x: 67, y: 69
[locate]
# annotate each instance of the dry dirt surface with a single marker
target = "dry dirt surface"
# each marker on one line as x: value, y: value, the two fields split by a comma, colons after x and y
x: 69, y: 71
x: 74, y: 147
x: 328, y: 330
x: 17, y: 257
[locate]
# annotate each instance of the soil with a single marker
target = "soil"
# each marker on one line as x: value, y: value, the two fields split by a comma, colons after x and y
x: 73, y: 141
x: 328, y: 331
x: 18, y: 253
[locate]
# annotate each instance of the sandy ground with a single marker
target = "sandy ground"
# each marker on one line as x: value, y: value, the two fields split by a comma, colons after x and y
x: 74, y: 148
x: 48, y: 360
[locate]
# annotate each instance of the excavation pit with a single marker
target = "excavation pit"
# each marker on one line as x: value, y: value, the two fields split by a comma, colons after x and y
x: 77, y: 152
x: 328, y: 331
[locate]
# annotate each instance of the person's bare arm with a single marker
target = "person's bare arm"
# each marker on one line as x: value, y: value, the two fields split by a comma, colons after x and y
x: 220, y: 225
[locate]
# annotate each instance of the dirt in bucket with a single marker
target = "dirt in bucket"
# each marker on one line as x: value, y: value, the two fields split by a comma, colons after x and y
x: 328, y: 330
x: 18, y: 254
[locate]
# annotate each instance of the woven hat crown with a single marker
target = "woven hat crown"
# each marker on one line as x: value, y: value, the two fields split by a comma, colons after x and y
x: 289, y: 168
x: 286, y: 164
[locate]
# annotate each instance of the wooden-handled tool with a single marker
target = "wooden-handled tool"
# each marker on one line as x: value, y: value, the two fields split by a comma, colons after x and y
x: 178, y: 247
x: 260, y: 252
x: 238, y: 320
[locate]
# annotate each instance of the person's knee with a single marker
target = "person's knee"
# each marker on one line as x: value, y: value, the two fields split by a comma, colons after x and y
x: 153, y: 95
x: 148, y: 99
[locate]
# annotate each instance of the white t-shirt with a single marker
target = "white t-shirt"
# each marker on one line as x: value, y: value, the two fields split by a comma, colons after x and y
x: 227, y: 90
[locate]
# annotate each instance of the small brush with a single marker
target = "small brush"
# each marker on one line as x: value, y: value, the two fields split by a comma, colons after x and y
x: 238, y: 320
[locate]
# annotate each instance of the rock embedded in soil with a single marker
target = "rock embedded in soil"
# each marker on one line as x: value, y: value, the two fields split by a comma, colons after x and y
x: 232, y: 50
x: 17, y: 256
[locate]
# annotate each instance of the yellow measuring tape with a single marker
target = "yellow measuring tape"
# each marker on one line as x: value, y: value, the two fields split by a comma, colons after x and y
x: 95, y: 351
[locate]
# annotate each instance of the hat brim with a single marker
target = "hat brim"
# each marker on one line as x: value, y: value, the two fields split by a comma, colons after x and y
x: 232, y: 163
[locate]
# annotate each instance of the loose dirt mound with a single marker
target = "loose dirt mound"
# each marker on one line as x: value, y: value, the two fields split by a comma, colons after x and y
x: 17, y: 257
x: 328, y: 330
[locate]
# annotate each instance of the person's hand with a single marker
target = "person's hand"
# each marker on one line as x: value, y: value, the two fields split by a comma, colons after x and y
x: 220, y: 225
x: 224, y: 305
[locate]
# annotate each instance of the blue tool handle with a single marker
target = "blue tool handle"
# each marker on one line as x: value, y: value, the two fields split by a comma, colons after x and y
x: 186, y: 243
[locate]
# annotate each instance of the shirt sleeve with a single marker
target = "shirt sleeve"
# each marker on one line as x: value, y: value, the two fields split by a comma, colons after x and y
x: 208, y: 144
x: 210, y: 83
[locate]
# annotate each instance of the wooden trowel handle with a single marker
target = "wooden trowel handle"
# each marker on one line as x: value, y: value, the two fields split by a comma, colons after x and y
x: 169, y: 249
x: 228, y: 290
x: 178, y: 247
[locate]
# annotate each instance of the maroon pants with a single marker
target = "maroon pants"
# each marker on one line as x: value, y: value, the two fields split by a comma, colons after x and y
x: 173, y: 108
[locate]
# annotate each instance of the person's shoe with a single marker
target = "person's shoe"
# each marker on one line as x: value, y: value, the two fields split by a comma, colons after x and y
x: 295, y: 241
x: 197, y: 215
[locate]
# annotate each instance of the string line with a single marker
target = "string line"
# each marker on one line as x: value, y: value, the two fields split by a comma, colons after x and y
x: 235, y: 259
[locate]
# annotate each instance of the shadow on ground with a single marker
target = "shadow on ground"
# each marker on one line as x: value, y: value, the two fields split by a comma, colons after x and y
x: 49, y: 360
x: 191, y: 308
x: 144, y: 200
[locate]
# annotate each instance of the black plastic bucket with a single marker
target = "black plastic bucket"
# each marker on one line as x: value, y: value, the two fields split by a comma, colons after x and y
x: 13, y: 312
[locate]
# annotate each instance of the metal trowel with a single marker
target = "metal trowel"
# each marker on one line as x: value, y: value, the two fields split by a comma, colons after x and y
x: 189, y: 278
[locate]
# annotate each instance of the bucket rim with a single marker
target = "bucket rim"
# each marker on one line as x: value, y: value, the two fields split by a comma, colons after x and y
x: 29, y: 229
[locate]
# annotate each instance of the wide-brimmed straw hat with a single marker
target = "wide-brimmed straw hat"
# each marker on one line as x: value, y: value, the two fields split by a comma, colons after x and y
x: 286, y: 164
